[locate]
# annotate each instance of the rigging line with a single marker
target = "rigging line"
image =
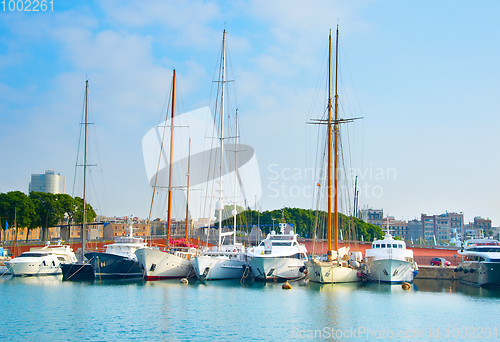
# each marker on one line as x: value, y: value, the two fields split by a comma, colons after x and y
x: 79, y: 146
x: 159, y: 157
x: 95, y: 148
x: 229, y: 61
x: 358, y: 103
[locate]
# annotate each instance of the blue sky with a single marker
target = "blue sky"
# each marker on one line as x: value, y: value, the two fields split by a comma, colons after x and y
x: 423, y: 75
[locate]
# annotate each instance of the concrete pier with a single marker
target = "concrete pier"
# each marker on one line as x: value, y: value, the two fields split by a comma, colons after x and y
x: 437, y: 272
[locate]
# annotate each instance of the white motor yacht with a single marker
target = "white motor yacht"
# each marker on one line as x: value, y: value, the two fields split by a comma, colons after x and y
x: 221, y: 262
x: 389, y: 261
x: 41, y: 260
x: 481, y: 264
x: 278, y: 257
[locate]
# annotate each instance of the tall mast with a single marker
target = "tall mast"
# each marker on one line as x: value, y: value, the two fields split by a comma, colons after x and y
x: 329, y: 175
x: 187, y: 193
x: 336, y: 155
x: 84, y: 224
x: 235, y: 179
x: 169, y: 202
x: 220, y: 205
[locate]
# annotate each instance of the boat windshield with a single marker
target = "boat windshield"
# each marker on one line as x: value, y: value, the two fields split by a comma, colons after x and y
x: 484, y: 249
x: 282, y: 243
x: 282, y: 237
x: 277, y: 243
x: 32, y: 255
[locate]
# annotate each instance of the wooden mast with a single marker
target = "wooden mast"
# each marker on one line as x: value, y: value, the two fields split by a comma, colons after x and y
x: 84, y: 223
x: 329, y: 168
x: 187, y: 193
x: 169, y: 202
x: 336, y: 155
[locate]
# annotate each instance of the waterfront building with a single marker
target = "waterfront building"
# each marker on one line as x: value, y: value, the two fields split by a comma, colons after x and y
x: 48, y: 182
x: 373, y: 216
x: 482, y: 223
x: 397, y: 228
x: 415, y: 230
x: 441, y: 226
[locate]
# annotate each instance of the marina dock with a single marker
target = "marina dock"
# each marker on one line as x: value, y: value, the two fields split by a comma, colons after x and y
x: 437, y: 272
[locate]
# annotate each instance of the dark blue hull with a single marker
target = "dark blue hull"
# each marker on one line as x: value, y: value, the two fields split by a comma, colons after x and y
x: 77, y: 272
x: 111, y: 266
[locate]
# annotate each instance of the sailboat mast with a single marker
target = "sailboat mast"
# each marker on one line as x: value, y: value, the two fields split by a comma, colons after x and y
x: 336, y: 155
x: 169, y: 201
x: 220, y: 204
x: 84, y: 223
x: 235, y: 179
x: 187, y: 193
x: 329, y: 175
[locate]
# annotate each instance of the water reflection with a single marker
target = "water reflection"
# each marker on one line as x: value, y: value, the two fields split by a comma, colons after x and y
x: 48, y: 280
x: 385, y: 288
x: 454, y: 286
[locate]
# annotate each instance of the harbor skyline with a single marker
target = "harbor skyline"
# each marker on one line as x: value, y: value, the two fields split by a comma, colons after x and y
x: 423, y: 77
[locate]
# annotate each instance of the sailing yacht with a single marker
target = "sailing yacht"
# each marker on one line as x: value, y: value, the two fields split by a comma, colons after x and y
x: 81, y: 270
x: 222, y: 261
x: 166, y: 262
x: 337, y: 268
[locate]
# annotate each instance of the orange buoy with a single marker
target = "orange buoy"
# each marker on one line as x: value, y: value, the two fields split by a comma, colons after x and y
x: 406, y: 286
x: 286, y: 286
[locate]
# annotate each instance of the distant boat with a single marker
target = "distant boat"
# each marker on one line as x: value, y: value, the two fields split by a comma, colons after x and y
x: 279, y: 257
x: 481, y: 264
x: 166, y: 262
x: 119, y: 261
x: 223, y: 261
x: 388, y: 261
x: 81, y: 270
x: 41, y: 261
x: 338, y: 266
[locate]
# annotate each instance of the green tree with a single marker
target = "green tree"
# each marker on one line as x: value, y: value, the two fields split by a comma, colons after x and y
x: 90, y: 214
x: 18, y: 208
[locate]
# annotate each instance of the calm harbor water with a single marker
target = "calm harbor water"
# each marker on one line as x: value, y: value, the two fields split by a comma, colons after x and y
x: 47, y: 309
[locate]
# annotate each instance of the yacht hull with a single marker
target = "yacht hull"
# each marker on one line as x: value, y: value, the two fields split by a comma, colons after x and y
x: 218, y: 267
x: 34, y: 267
x: 112, y: 266
x: 389, y: 271
x: 77, y: 271
x: 331, y: 272
x: 480, y: 273
x: 157, y: 265
x: 272, y: 269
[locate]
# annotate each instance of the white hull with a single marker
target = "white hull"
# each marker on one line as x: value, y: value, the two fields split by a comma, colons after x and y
x: 389, y: 271
x: 158, y: 265
x: 211, y: 267
x: 34, y: 267
x: 41, y: 261
x: 277, y: 268
x: 331, y: 272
